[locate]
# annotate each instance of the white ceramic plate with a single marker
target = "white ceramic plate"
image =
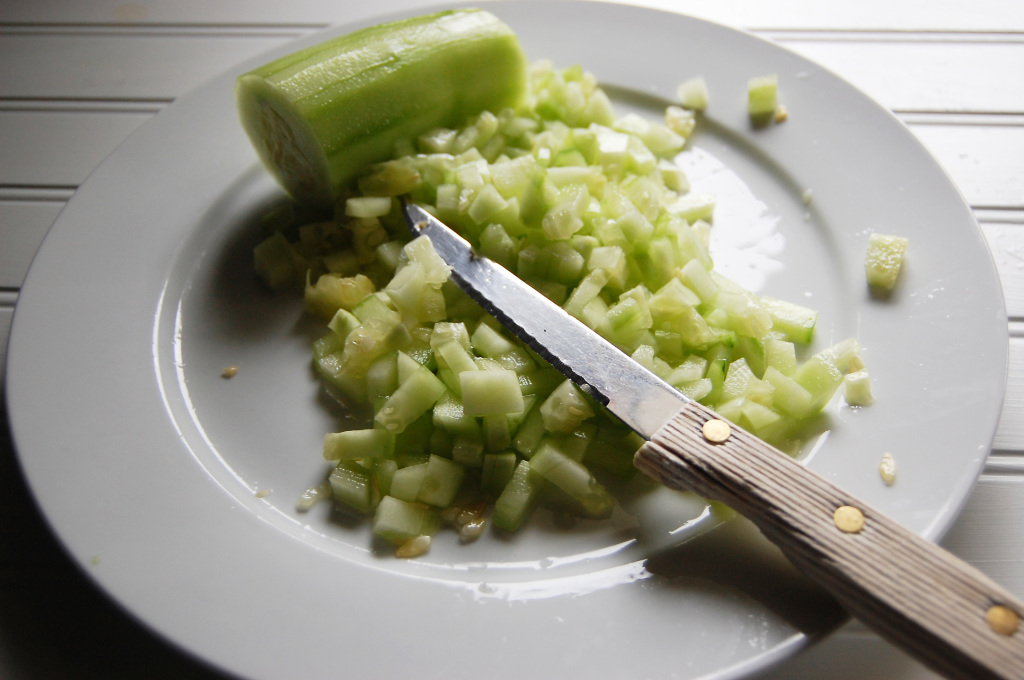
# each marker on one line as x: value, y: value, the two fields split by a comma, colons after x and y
x: 151, y: 467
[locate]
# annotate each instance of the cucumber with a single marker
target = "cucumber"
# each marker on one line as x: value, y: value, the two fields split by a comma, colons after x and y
x: 591, y: 499
x: 519, y: 497
x: 883, y: 261
x: 352, y: 485
x: 693, y: 93
x: 320, y: 116
x: 441, y: 482
x: 491, y: 392
x: 359, y: 444
x: 399, y: 521
x: 762, y: 96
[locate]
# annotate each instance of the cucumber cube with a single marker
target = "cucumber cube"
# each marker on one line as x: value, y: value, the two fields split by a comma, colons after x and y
x: 819, y: 376
x: 857, y: 390
x: 398, y: 521
x: 518, y: 498
x: 359, y: 444
x: 441, y: 482
x: 332, y: 292
x: 565, y: 408
x: 795, y: 322
x: 498, y: 469
x: 789, y: 396
x: 490, y: 343
x: 883, y: 261
x: 491, y: 392
x: 413, y: 398
x: 693, y: 93
x: 368, y: 206
x: 407, y: 481
x: 352, y: 486
x: 591, y: 499
x: 762, y: 96
x: 468, y: 451
x: 343, y: 322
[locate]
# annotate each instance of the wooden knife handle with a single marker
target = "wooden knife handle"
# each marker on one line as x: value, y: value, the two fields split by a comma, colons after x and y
x: 936, y: 607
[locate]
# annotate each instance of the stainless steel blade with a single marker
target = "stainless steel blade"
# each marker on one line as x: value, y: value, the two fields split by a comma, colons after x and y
x: 639, y: 398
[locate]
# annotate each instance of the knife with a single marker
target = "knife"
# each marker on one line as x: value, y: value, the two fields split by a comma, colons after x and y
x: 936, y: 607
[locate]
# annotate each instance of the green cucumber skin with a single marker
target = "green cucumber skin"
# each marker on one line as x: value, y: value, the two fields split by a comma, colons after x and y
x: 347, y: 102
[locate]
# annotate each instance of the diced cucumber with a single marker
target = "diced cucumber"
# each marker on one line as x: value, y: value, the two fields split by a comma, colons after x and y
x: 762, y: 96
x: 490, y: 343
x: 368, y: 206
x: 572, y: 477
x: 412, y: 399
x: 332, y: 292
x: 518, y: 498
x: 441, y: 482
x: 468, y: 450
x: 319, y: 116
x: 780, y: 355
x: 491, y: 392
x: 565, y: 408
x: 498, y: 469
x: 530, y: 433
x: 343, y: 322
x: 398, y: 521
x: 406, y: 482
x: 384, y: 470
x: 819, y: 376
x: 857, y: 391
x: 795, y: 322
x: 883, y: 260
x: 590, y: 209
x: 352, y: 486
x: 612, y: 451
x: 789, y: 396
x: 359, y: 444
x: 693, y: 93
x: 450, y: 414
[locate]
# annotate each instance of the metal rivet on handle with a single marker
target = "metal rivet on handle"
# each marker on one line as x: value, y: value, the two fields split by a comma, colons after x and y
x: 716, y: 431
x: 849, y: 519
x: 1002, y: 619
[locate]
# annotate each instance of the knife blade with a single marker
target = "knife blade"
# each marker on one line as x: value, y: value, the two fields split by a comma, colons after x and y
x: 947, y: 613
x: 593, y: 363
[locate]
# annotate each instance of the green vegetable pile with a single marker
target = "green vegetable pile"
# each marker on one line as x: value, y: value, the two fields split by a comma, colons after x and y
x: 465, y: 425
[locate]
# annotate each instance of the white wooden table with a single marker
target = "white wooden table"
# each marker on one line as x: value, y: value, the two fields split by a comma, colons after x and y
x: 77, y: 78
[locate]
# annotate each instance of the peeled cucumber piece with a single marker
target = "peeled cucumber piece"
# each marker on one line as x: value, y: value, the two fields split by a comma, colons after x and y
x: 320, y: 116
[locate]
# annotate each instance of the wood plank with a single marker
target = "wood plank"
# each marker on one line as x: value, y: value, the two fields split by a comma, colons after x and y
x: 973, y: 150
x: 23, y: 224
x: 961, y: 73
x: 1010, y: 433
x: 984, y: 15
x: 59, y: 148
x: 988, y: 533
x: 956, y: 74
x: 6, y: 315
x: 94, y: 65
x: 1006, y: 241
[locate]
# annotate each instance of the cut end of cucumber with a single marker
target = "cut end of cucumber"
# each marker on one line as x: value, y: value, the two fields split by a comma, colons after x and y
x: 283, y: 141
x: 321, y: 116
